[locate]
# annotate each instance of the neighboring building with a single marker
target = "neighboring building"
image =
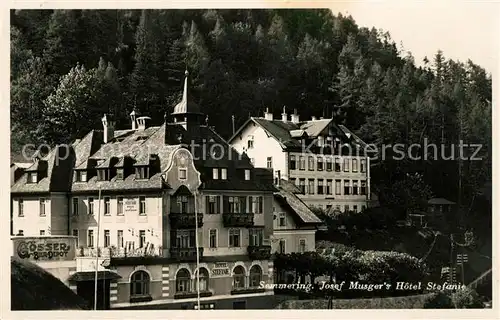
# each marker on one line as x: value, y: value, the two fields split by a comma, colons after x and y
x: 325, y: 160
x: 295, y: 225
x: 147, y: 183
x: 439, y: 210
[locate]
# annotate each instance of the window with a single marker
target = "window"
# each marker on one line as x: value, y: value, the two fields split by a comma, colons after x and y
x: 119, y: 174
x: 355, y: 187
x: 106, y: 239
x: 32, y: 177
x: 293, y: 181
x: 212, y: 237
x: 142, y: 238
x: 90, y: 209
x: 247, y: 174
x: 234, y: 204
x: 354, y: 165
x: 203, y: 279
x: 75, y: 206
x: 320, y: 186
x: 184, y: 238
x: 346, y: 208
x: 363, y: 165
x: 302, y: 245
x: 102, y: 174
x: 269, y: 162
x: 311, y: 186
x: 42, y: 232
x: 282, y: 219
x: 310, y: 163
x: 119, y: 238
x: 337, y: 187
x: 223, y: 174
x: 234, y: 238
x: 119, y: 206
x: 182, y: 174
x: 347, y: 187
x: 329, y: 186
x: 142, y: 205
x: 293, y: 163
x: 213, y: 204
x: 302, y: 163
x: 320, y: 163
x: 20, y: 208
x: 355, y: 208
x: 139, y: 284
x: 282, y: 246
x: 215, y: 173
x: 256, y: 204
x: 42, y: 207
x: 250, y: 144
x: 302, y: 185
x: 76, y: 235
x: 107, y: 206
x: 238, y: 277
x: 363, y: 208
x: 337, y: 164
x: 182, y: 203
x: 255, y: 276
x: 90, y: 238
x: 142, y: 172
x: 183, y: 281
x: 328, y: 164
x: 363, y: 187
x: 346, y: 165
x: 256, y: 236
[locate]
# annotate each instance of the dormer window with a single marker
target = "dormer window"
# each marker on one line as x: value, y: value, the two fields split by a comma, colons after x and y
x: 32, y: 177
x: 142, y: 173
x: 224, y: 174
x: 81, y: 176
x: 247, y: 174
x: 102, y: 174
x: 119, y: 174
x: 215, y: 173
x: 182, y: 173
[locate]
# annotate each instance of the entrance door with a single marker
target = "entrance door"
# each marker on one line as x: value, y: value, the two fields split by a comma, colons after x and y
x: 86, y: 290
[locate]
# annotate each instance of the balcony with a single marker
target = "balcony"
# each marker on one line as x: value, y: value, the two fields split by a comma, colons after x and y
x: 185, y: 220
x: 238, y: 220
x: 114, y: 252
x: 259, y: 252
x: 185, y: 254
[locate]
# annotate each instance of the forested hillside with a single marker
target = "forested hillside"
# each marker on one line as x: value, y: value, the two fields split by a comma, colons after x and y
x: 70, y: 67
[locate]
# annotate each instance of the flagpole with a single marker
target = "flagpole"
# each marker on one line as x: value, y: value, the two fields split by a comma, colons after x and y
x: 97, y: 248
x: 197, y: 250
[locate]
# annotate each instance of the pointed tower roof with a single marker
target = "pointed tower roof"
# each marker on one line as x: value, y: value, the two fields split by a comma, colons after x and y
x: 187, y: 105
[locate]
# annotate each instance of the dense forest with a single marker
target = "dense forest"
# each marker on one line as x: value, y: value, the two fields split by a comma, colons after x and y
x: 68, y: 67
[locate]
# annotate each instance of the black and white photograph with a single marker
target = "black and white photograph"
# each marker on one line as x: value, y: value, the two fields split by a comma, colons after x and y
x: 337, y: 157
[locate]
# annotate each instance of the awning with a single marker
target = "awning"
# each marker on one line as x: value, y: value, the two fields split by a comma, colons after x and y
x: 90, y: 276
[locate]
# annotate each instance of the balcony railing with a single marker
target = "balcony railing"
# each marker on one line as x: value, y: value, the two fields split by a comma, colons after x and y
x: 259, y: 252
x: 185, y: 254
x: 113, y: 252
x: 185, y: 220
x: 238, y: 220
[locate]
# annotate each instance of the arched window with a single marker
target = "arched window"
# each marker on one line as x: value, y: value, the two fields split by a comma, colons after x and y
x: 238, y: 277
x: 183, y: 281
x: 255, y: 276
x: 139, y: 284
x: 203, y: 279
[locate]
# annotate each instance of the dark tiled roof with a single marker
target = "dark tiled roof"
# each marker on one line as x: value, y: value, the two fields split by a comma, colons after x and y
x: 296, y: 206
x: 440, y: 201
x: 288, y: 186
x: 90, y: 276
x: 43, y: 184
x: 129, y: 183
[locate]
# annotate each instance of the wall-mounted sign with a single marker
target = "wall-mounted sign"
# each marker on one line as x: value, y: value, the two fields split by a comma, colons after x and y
x: 44, y: 248
x: 220, y: 269
x: 130, y: 205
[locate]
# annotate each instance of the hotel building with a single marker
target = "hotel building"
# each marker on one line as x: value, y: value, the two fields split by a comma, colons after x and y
x: 326, y: 161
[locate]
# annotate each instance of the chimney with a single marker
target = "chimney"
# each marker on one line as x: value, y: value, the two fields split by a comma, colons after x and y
x: 279, y: 178
x: 295, y: 116
x: 141, y: 122
x: 284, y: 117
x: 313, y: 118
x: 133, y: 116
x: 268, y: 115
x: 108, y: 128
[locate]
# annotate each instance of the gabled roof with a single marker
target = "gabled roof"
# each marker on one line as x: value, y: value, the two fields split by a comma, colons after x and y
x: 296, y: 207
x: 439, y: 201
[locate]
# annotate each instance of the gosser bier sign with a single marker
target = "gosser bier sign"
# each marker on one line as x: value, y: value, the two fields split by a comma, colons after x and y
x: 44, y: 248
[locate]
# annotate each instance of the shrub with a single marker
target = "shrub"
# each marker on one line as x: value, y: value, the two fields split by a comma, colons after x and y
x: 440, y: 300
x: 466, y: 299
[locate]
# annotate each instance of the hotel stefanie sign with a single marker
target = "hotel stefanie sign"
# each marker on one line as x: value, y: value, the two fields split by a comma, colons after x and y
x: 50, y: 248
